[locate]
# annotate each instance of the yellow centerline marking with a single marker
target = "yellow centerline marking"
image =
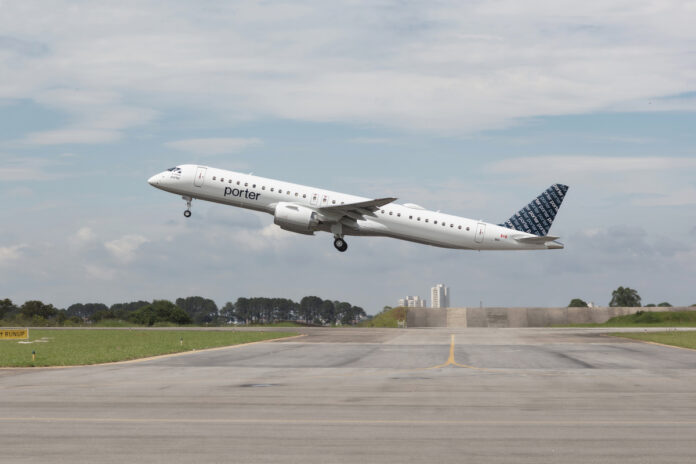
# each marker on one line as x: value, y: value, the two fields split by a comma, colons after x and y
x: 451, y: 361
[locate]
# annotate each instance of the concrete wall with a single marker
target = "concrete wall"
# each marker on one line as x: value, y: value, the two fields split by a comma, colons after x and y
x: 518, y: 317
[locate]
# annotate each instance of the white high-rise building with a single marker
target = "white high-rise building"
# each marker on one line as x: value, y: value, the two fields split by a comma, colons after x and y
x: 412, y: 302
x: 440, y: 296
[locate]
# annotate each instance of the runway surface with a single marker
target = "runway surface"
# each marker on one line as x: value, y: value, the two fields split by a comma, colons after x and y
x: 366, y: 396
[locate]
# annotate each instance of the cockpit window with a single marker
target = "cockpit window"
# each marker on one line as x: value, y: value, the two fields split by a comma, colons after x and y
x: 175, y: 169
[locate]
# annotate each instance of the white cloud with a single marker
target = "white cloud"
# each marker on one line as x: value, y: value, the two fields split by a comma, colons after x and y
x: 10, y: 254
x: 452, y: 67
x: 124, y: 249
x: 63, y: 136
x: 214, y: 146
x: 591, y: 164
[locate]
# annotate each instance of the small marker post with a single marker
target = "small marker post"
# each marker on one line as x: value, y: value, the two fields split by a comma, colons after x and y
x: 33, y: 355
x: 181, y: 341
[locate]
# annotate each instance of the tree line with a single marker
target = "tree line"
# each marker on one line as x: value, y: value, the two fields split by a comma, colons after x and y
x: 621, y: 297
x: 197, y: 310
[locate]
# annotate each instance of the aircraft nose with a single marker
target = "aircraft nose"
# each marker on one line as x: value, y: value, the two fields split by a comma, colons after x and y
x: 153, y: 180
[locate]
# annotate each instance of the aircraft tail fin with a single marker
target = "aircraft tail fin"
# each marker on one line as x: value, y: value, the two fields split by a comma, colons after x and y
x: 536, y: 218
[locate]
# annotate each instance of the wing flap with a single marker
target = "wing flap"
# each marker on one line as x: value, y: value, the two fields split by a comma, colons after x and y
x: 369, y: 205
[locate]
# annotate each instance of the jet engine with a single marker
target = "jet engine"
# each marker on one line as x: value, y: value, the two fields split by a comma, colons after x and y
x: 296, y: 218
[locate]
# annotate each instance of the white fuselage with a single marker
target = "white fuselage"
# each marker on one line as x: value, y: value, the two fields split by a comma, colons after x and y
x: 405, y: 222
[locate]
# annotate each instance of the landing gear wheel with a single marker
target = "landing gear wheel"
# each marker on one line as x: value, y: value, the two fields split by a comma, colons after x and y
x: 340, y: 245
x: 188, y: 200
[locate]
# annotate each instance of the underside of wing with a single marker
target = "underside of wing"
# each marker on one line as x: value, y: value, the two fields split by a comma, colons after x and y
x: 536, y: 240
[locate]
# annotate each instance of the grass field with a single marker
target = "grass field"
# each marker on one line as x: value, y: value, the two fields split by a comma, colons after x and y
x: 89, y: 346
x: 386, y: 318
x: 649, y: 319
x: 675, y: 338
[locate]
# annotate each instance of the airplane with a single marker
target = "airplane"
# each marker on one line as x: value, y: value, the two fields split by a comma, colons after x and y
x: 306, y: 210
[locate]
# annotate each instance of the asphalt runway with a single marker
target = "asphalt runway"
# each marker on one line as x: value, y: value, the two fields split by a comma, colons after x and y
x: 366, y: 396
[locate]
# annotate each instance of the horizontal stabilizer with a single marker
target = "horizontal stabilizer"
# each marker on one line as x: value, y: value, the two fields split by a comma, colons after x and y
x: 536, y: 240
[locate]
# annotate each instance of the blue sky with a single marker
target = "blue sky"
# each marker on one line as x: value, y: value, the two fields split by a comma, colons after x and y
x: 472, y: 109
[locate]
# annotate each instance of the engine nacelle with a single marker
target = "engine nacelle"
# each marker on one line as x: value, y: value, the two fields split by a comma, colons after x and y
x: 296, y: 218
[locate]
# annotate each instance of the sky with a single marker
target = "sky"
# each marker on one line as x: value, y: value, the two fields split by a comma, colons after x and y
x: 472, y: 108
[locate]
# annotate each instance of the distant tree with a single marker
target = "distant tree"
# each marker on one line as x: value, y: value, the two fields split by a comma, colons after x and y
x: 160, y: 311
x: 577, y: 303
x: 36, y: 308
x: 310, y: 307
x: 7, y: 308
x: 201, y: 310
x: 664, y: 304
x: 123, y: 310
x: 284, y: 309
x: 626, y: 297
x: 242, y: 310
x: 327, y: 312
x: 227, y: 313
x: 650, y: 305
x: 85, y: 311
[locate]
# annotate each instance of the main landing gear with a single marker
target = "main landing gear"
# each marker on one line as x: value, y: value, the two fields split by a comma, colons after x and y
x: 187, y: 213
x: 340, y: 244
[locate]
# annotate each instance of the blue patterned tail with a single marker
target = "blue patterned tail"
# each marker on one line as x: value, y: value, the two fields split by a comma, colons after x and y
x: 536, y: 218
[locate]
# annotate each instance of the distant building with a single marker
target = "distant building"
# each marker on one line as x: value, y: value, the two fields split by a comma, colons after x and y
x: 440, y: 296
x: 412, y: 302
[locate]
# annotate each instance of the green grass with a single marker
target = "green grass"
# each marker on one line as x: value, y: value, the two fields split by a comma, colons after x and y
x: 675, y: 338
x: 387, y: 318
x: 86, y: 346
x: 649, y: 319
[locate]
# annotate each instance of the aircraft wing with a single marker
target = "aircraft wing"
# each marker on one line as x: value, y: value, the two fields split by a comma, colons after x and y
x: 370, y: 205
x: 349, y: 213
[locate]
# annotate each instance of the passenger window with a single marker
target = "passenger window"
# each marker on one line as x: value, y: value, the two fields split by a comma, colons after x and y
x: 382, y: 211
x: 459, y: 227
x: 451, y: 225
x: 230, y: 181
x: 410, y: 217
x: 222, y: 179
x: 288, y: 192
x: 467, y: 228
x: 297, y: 194
x: 280, y: 191
x: 213, y: 177
x: 419, y: 219
x: 434, y: 222
x: 304, y: 195
x: 237, y: 182
x: 253, y: 186
x: 426, y: 220
x: 390, y: 213
x: 246, y: 184
x: 443, y: 224
x: 263, y: 187
x: 398, y: 214
x: 333, y: 202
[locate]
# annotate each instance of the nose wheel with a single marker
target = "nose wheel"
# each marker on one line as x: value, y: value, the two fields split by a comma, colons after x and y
x: 187, y: 213
x: 340, y: 244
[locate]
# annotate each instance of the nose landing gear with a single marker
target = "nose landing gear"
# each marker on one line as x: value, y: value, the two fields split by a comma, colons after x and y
x: 340, y: 244
x: 187, y: 213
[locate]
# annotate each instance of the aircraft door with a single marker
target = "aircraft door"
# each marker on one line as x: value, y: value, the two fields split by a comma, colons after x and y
x: 200, y: 176
x: 324, y: 200
x: 480, y: 232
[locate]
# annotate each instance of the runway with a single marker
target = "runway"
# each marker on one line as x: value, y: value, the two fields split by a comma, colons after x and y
x: 367, y: 396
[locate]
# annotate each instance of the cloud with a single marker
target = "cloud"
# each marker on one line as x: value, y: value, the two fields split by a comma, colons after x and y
x: 10, y: 254
x: 63, y: 136
x: 590, y: 164
x: 444, y: 67
x: 124, y: 249
x: 214, y: 146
